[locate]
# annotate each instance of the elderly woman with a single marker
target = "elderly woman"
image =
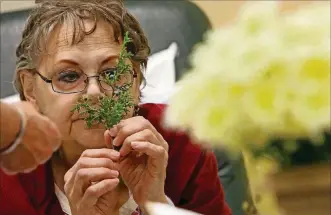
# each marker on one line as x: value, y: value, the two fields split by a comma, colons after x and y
x: 67, y: 41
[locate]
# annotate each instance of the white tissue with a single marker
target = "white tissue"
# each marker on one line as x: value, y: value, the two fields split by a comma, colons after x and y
x: 160, y: 76
x: 165, y: 209
x: 11, y: 99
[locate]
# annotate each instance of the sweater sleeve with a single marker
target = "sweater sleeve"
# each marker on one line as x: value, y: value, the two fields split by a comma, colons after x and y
x: 204, y: 193
x: 29, y: 194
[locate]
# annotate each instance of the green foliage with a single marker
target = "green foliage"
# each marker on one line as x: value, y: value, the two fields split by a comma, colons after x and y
x: 121, y: 67
x: 110, y: 110
x: 296, y: 152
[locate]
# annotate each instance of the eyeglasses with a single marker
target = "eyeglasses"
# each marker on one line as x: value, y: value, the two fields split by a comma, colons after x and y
x: 69, y: 82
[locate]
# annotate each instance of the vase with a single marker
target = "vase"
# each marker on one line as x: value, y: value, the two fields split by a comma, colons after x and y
x: 303, y: 190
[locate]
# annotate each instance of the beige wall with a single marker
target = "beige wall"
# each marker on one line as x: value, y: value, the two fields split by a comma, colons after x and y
x: 12, y: 5
x: 221, y: 11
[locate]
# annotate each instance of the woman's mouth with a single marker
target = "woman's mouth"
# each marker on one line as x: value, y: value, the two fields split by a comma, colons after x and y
x: 94, y: 125
x: 78, y: 119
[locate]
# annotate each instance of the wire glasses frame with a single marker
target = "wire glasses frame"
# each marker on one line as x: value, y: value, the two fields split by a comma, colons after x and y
x: 114, y: 89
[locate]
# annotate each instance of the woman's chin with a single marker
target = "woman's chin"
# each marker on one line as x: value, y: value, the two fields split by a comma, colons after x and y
x: 90, y: 138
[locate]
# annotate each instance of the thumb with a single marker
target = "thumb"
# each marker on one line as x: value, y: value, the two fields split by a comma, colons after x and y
x: 53, y: 129
x: 49, y: 130
x: 108, y: 139
x: 68, y: 175
x: 45, y: 124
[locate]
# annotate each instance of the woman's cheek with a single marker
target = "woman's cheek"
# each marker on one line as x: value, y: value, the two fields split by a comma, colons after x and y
x: 58, y: 109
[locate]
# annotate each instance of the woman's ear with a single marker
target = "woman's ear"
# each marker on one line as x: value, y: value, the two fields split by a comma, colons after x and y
x: 28, y: 87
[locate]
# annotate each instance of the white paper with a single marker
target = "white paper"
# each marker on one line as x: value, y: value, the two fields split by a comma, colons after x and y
x: 165, y: 209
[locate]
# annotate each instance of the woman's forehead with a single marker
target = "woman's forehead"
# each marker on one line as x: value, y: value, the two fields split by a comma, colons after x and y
x: 65, y: 36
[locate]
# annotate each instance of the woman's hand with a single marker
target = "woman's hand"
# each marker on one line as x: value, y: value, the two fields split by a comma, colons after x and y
x: 144, y: 158
x: 91, y: 185
x: 40, y: 138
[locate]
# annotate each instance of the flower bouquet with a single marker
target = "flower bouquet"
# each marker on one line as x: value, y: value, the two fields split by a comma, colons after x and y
x: 262, y: 86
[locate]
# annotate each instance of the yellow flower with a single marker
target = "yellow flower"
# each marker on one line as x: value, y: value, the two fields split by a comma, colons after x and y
x: 255, y: 18
x: 264, y: 105
x: 268, y: 73
x: 265, y: 76
x: 312, y: 109
x: 183, y: 114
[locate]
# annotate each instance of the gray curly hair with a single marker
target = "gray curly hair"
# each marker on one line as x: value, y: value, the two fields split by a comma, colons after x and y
x: 51, y: 13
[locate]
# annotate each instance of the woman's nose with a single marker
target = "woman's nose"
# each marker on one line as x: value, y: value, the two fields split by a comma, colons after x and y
x: 93, y: 88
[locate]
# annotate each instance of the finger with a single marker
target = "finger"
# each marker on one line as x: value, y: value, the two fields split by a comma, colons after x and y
x: 40, y: 155
x: 108, y: 139
x: 95, y: 191
x: 152, y: 150
x: 85, y: 177
x: 114, y: 130
x: 145, y: 135
x: 87, y: 162
x: 50, y: 132
x: 130, y: 126
x: 112, y: 136
x: 101, y: 153
x: 48, y: 126
x: 35, y: 141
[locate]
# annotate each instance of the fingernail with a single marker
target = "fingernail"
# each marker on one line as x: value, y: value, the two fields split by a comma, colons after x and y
x: 116, y: 154
x: 109, y: 133
x: 112, y: 132
x: 110, y: 143
x: 115, y: 142
x: 134, y: 144
x: 115, y: 173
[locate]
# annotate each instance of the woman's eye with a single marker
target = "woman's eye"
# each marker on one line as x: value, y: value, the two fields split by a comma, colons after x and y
x: 109, y: 74
x: 68, y: 76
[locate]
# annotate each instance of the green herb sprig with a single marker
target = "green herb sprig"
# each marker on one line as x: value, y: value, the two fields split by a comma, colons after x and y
x: 110, y: 111
x: 122, y: 67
